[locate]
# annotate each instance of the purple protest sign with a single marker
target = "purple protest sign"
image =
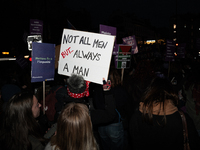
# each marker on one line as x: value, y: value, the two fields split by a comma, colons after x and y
x: 130, y: 40
x: 108, y: 30
x: 36, y: 27
x: 170, y: 48
x: 43, y: 62
x: 181, y: 50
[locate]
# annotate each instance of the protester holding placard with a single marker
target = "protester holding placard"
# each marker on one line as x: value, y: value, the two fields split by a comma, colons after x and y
x: 113, y: 135
x: 78, y: 91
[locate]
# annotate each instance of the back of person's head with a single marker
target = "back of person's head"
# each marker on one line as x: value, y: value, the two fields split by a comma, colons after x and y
x: 159, y: 90
x: 76, y: 83
x: 19, y: 122
x: 74, y: 129
x: 77, y: 87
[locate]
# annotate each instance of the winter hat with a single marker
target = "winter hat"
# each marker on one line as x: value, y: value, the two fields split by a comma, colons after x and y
x: 77, y: 87
x: 8, y: 91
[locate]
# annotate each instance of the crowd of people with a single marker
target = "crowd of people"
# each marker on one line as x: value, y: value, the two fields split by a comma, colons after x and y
x: 139, y: 111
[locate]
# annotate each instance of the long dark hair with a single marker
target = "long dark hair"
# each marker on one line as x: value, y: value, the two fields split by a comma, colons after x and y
x: 19, y: 123
x: 159, y: 90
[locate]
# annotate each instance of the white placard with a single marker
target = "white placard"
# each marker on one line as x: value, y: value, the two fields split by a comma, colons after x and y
x: 85, y: 53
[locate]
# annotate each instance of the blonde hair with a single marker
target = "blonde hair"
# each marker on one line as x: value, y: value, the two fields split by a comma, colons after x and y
x: 74, y: 129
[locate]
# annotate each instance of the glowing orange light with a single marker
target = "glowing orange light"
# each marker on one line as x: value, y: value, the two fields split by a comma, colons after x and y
x: 5, y: 53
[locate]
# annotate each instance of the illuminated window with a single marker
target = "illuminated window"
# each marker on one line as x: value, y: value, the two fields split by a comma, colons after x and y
x: 174, y: 26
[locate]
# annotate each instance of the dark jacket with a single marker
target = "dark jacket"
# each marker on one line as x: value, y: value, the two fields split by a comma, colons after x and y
x: 170, y: 136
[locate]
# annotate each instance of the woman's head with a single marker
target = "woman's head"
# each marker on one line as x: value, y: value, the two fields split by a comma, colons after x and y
x: 74, y: 128
x: 158, y: 93
x: 24, y: 105
x: 159, y: 90
x: 20, y: 122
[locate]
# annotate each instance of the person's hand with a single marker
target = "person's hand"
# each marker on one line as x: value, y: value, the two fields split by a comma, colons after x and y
x: 106, y: 85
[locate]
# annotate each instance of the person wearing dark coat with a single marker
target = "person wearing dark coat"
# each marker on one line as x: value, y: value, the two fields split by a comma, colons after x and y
x: 157, y: 124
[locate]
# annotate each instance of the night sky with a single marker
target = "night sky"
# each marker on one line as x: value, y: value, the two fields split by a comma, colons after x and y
x: 157, y: 11
x: 15, y: 14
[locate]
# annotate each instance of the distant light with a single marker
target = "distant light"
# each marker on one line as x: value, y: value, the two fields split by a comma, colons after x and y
x: 176, y: 44
x: 199, y: 28
x: 174, y: 26
x: 174, y: 31
x: 5, y: 59
x: 174, y: 39
x: 175, y: 53
x: 30, y: 59
x: 184, y: 26
x: 150, y: 41
x: 5, y: 53
x: 27, y: 56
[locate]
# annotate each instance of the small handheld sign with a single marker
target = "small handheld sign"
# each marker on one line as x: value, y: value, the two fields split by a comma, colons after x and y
x: 123, y: 59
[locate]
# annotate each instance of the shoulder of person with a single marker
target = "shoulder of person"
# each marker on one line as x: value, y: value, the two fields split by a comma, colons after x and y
x: 36, y: 144
x: 50, y: 147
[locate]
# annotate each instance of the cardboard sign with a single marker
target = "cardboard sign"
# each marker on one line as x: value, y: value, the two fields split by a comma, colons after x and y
x: 87, y: 54
x: 43, y: 62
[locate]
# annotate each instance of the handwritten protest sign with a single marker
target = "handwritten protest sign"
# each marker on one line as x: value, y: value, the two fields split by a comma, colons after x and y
x: 87, y: 54
x: 43, y: 62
